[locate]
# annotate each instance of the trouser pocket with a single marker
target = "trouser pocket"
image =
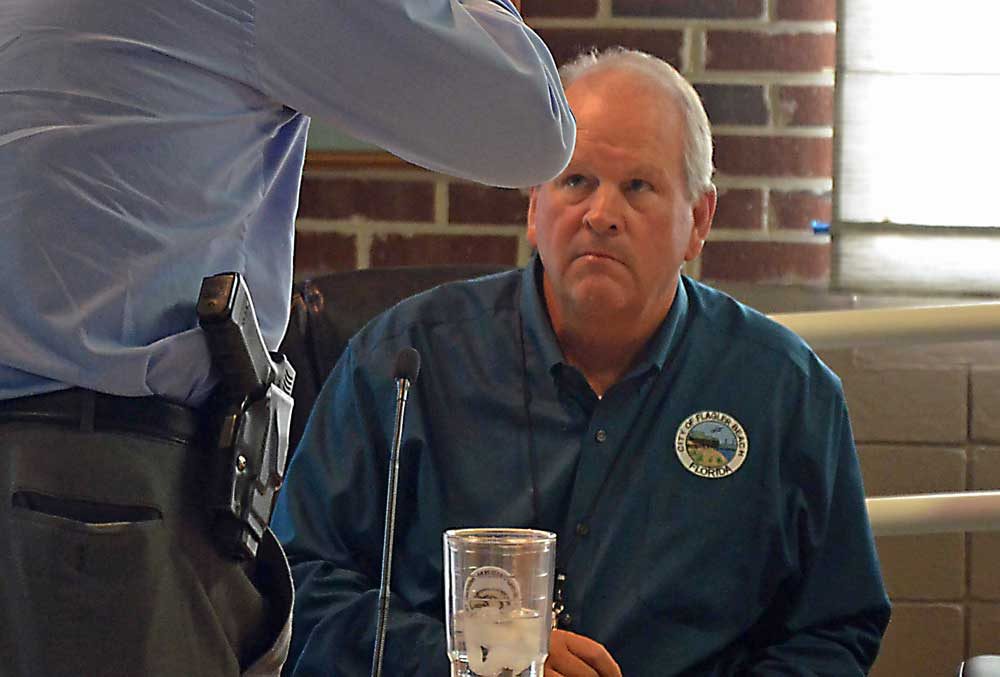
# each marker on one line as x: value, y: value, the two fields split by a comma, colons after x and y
x: 73, y: 545
x: 87, y: 512
x: 108, y: 569
x: 99, y: 594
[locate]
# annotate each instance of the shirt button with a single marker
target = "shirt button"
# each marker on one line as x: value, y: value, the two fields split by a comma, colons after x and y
x: 582, y: 529
x: 565, y: 619
x: 601, y: 435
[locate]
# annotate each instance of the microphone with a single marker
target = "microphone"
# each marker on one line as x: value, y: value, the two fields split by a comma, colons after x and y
x: 407, y: 366
x: 405, y: 373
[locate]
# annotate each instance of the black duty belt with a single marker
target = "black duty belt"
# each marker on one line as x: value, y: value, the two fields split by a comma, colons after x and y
x: 88, y: 410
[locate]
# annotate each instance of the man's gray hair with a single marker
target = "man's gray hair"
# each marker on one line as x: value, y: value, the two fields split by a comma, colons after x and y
x: 698, y: 132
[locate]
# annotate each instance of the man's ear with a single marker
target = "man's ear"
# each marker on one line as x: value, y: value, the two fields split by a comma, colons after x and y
x: 532, y: 197
x: 702, y: 213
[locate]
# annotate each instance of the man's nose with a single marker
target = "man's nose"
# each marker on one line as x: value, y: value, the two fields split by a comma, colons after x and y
x: 605, y: 213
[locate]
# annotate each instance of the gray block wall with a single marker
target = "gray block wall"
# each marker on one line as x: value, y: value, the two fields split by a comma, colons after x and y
x: 926, y: 419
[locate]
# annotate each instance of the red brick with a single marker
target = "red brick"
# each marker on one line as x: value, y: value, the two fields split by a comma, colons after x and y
x: 807, y: 10
x: 740, y: 209
x: 419, y: 250
x: 742, y: 51
x: 796, y: 210
x: 536, y: 8
x: 734, y: 104
x: 320, y: 252
x: 806, y: 105
x: 701, y: 9
x: 774, y: 156
x: 766, y: 262
x: 473, y: 203
x: 338, y: 198
x: 567, y: 43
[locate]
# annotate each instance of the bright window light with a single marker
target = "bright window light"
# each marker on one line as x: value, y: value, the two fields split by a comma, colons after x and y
x: 919, y: 92
x: 923, y: 260
x: 917, y: 141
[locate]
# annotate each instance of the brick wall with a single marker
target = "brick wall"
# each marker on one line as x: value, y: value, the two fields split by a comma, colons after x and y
x: 765, y: 71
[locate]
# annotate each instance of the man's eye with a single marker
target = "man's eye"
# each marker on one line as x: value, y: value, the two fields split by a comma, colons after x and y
x: 639, y: 185
x: 574, y: 180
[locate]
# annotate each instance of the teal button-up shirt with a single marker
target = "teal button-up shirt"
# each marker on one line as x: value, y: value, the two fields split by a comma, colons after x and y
x: 709, y: 508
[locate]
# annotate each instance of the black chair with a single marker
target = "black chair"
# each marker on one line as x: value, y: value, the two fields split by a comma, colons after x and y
x: 328, y: 310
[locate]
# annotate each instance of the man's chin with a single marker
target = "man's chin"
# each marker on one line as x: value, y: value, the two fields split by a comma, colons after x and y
x: 600, y: 298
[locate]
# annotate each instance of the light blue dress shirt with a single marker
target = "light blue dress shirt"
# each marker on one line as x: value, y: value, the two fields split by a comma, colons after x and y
x: 145, y: 145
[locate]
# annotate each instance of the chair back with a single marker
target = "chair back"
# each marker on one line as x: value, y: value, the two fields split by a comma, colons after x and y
x: 328, y: 310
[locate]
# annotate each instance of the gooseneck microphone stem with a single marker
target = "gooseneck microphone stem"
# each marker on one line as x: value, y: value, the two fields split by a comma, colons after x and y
x: 407, y: 368
x: 402, y: 390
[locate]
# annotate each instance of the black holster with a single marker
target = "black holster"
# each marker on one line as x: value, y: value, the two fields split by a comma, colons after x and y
x: 250, y: 419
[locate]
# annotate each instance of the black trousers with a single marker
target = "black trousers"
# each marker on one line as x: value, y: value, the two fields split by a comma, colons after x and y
x: 107, y: 567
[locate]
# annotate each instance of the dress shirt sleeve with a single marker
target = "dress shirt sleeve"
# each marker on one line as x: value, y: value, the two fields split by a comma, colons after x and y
x: 330, y: 519
x: 831, y: 621
x: 457, y: 86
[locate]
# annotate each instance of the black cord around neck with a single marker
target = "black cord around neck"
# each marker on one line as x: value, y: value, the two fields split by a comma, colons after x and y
x: 536, y: 517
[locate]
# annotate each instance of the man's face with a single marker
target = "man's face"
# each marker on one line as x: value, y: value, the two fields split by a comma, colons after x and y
x: 614, y: 228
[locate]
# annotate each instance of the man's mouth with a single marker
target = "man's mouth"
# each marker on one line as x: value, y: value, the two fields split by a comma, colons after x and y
x: 598, y: 256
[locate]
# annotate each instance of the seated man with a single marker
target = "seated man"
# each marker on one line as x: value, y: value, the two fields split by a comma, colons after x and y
x: 694, y: 458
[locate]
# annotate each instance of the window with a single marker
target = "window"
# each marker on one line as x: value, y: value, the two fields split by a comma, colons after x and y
x: 916, y: 183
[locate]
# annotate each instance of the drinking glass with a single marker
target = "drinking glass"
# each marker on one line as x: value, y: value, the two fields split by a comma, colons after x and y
x: 498, y: 600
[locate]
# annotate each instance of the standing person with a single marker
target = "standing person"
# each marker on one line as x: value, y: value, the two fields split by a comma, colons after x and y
x: 143, y: 147
x: 694, y: 458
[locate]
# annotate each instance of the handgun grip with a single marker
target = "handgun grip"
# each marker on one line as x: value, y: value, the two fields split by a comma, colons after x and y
x: 226, y: 313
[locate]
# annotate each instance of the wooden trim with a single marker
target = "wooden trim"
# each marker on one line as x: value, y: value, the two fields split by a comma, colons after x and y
x: 337, y: 159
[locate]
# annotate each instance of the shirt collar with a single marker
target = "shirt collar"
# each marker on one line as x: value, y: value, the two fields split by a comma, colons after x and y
x: 538, y: 328
x: 666, y: 338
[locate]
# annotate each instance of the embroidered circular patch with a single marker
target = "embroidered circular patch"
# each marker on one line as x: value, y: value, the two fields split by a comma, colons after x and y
x: 711, y: 444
